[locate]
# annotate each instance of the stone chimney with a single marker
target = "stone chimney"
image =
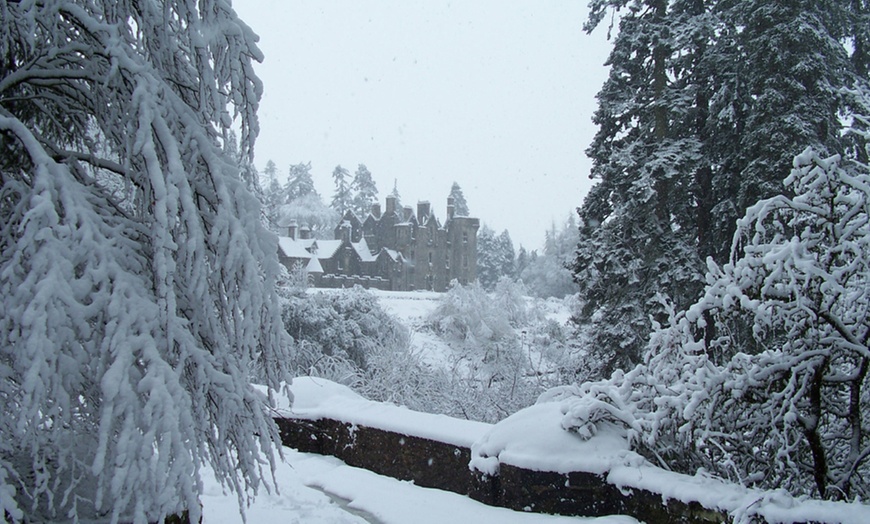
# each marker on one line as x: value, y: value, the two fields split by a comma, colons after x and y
x: 292, y: 228
x: 423, y: 211
x: 304, y: 233
x: 451, y: 209
x: 376, y: 210
x: 391, y: 205
x: 408, y: 213
x: 346, y: 229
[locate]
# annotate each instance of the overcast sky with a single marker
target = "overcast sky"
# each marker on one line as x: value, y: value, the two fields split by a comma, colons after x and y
x: 495, y: 95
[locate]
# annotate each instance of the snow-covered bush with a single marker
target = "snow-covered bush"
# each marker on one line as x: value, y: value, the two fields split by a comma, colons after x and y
x: 505, y: 352
x: 347, y: 325
x: 765, y: 379
x: 137, y: 282
x: 347, y: 337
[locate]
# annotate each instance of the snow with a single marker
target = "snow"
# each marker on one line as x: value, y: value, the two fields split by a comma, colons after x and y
x: 533, y: 438
x: 316, y: 398
x: 320, y: 490
x: 412, y: 309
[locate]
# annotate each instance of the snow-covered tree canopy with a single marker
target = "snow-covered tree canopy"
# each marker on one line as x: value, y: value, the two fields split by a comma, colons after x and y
x: 460, y: 205
x: 137, y: 280
x: 765, y: 379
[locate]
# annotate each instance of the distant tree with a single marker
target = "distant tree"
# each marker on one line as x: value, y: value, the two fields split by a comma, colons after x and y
x: 495, y: 257
x: 247, y: 172
x: 365, y: 192
x: 547, y: 275
x: 310, y: 211
x: 273, y: 195
x: 300, y: 183
x: 395, y: 194
x: 342, y: 198
x: 487, y: 258
x: 522, y: 260
x: 460, y: 206
x: 131, y: 323
x: 506, y: 255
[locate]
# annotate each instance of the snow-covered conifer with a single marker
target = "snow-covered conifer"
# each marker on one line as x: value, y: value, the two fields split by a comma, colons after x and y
x: 460, y: 205
x: 300, y: 183
x: 342, y: 198
x: 365, y: 192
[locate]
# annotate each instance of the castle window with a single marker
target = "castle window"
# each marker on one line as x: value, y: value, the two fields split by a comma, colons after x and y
x: 430, y: 257
x: 465, y: 237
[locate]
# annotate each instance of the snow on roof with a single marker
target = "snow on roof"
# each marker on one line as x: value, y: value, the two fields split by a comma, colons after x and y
x: 393, y: 254
x: 314, y: 266
x: 295, y: 248
x: 362, y: 249
x: 327, y: 248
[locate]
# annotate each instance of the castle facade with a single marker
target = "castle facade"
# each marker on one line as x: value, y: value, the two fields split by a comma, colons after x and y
x: 395, y: 250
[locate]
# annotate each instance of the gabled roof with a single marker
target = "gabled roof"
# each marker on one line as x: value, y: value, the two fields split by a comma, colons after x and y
x: 362, y: 250
x: 293, y: 248
x: 393, y: 255
x: 327, y: 248
x: 314, y: 266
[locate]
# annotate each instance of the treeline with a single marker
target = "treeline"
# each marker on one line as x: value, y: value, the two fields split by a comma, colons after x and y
x: 297, y: 198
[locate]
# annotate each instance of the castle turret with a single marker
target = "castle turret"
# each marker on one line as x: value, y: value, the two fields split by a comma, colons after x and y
x: 423, y: 211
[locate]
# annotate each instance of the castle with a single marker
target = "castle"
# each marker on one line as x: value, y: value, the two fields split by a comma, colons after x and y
x: 396, y: 250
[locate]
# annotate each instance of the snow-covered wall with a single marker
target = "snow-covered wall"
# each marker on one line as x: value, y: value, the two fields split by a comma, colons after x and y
x: 527, y: 462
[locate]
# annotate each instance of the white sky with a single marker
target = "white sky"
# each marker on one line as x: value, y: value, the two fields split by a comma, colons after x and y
x: 496, y: 95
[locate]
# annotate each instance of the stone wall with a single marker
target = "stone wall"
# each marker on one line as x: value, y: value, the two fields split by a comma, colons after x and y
x: 434, y: 464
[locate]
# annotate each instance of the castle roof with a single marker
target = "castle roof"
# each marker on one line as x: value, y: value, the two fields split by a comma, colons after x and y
x: 326, y: 248
x: 314, y: 266
x: 294, y: 248
x: 362, y: 250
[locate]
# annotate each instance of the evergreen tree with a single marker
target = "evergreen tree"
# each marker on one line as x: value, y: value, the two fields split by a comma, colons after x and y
x: 487, y: 258
x: 395, y: 194
x: 131, y: 322
x: 273, y: 196
x: 495, y: 257
x: 506, y: 255
x: 706, y: 103
x: 547, y: 275
x: 342, y: 199
x: 635, y: 239
x: 522, y: 260
x: 365, y: 192
x: 460, y: 206
x: 300, y: 183
x: 311, y: 212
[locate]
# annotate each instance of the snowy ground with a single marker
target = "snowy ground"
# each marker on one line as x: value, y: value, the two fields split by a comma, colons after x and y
x: 412, y: 309
x: 317, y: 489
